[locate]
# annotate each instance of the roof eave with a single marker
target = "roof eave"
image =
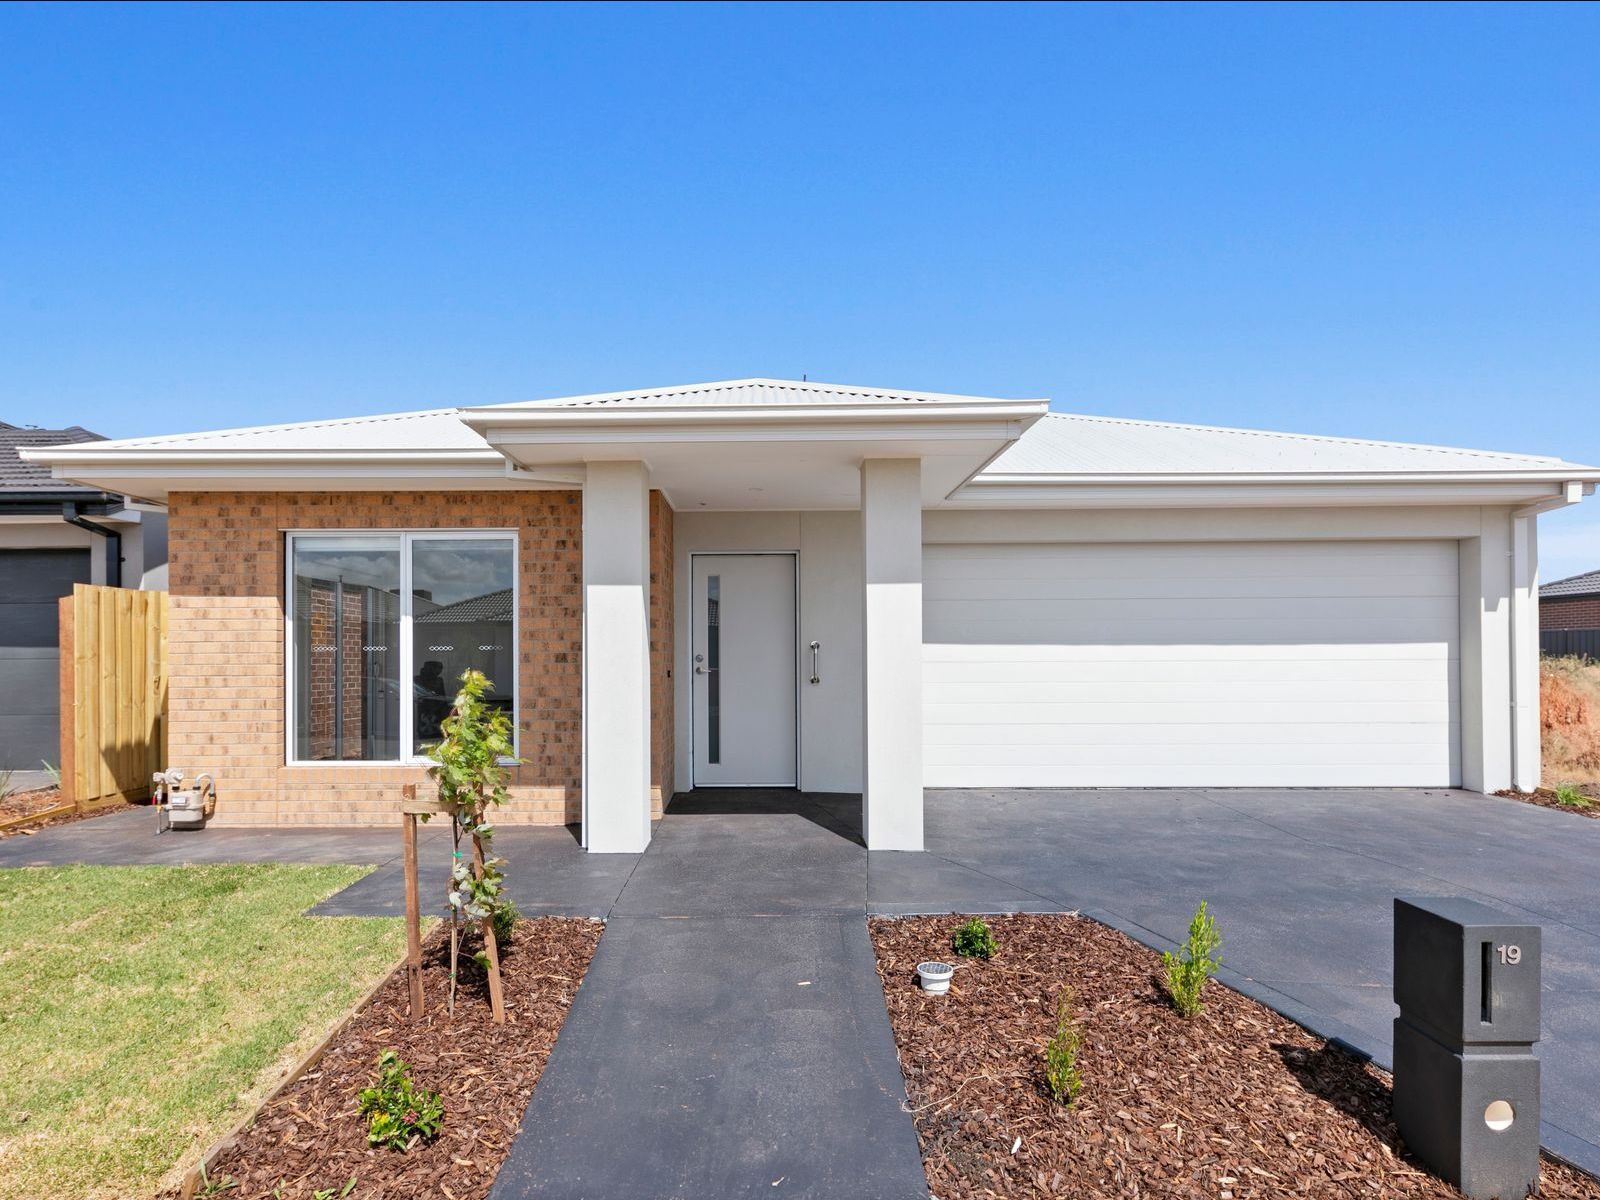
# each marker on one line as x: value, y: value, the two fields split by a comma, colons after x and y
x: 1244, y: 491
x: 1584, y: 475
x: 485, y: 420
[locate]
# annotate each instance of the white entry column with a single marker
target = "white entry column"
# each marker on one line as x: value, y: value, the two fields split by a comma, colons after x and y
x: 616, y: 657
x: 1486, y: 716
x: 891, y: 543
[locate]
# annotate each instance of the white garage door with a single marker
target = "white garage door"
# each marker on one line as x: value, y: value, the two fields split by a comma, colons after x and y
x: 1286, y: 664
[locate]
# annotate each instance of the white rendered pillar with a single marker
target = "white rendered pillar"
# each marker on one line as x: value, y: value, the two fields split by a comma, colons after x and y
x: 1486, y: 717
x: 616, y: 657
x: 891, y: 545
x: 1526, y: 751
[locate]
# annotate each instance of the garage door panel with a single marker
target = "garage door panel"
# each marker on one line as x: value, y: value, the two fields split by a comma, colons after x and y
x: 1248, y: 664
x: 30, y: 583
x: 1199, y: 613
x: 1200, y: 690
x: 1211, y: 754
x: 1162, y: 562
x: 1372, y: 733
x: 1309, y: 713
x: 1347, y: 773
x: 972, y: 673
x: 1231, y: 590
x: 1155, y: 631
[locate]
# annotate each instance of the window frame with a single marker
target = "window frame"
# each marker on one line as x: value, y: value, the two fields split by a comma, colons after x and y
x: 406, y: 538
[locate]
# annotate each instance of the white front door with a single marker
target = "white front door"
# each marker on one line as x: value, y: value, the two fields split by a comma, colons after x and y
x: 742, y: 655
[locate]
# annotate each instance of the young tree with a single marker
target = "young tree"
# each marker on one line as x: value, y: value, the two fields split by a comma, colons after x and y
x: 468, y: 768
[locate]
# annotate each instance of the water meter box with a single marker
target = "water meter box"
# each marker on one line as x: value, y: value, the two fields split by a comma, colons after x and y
x: 1466, y: 1084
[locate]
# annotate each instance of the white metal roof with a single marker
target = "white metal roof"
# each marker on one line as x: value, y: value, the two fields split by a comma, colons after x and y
x: 1058, y: 450
x: 740, y: 393
x: 1067, y: 444
x: 432, y: 429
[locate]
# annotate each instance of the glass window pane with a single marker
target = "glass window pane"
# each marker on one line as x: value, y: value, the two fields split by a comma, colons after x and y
x: 346, y: 608
x: 462, y: 596
x: 714, y: 668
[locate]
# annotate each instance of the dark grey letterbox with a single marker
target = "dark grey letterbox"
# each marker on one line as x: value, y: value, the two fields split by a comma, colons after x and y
x: 1466, y: 1083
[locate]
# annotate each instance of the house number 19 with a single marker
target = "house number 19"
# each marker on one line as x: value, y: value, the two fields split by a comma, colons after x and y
x: 1510, y: 955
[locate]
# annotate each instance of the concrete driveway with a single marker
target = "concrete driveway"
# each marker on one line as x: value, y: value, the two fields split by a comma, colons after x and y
x: 1302, y: 884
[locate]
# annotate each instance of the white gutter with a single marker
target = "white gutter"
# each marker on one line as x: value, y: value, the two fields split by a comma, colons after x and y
x: 615, y: 419
x: 62, y: 457
x: 1525, y: 748
x: 1555, y: 473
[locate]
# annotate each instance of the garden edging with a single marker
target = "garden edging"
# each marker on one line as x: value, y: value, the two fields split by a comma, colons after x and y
x: 193, y: 1177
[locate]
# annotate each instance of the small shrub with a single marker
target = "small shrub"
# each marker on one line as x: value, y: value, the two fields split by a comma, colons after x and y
x: 1570, y: 797
x: 1186, y: 976
x: 1061, y: 1053
x: 505, y: 918
x: 974, y: 940
x: 398, y: 1112
x: 53, y: 772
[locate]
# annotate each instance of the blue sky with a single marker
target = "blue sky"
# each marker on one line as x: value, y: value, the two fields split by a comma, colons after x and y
x: 1371, y: 221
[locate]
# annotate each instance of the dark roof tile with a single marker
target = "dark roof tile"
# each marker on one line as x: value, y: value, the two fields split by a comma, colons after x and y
x: 1587, y: 584
x: 19, y: 476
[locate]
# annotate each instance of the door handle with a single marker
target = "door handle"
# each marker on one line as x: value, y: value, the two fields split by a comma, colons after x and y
x: 815, y: 677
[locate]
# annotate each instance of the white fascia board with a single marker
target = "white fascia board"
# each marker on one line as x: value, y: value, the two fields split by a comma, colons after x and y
x: 155, y: 482
x: 71, y: 458
x: 151, y: 474
x: 540, y: 423
x: 1543, y: 474
x: 1244, y: 493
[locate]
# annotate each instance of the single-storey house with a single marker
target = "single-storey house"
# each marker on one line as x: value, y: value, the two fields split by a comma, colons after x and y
x: 54, y: 534
x: 765, y: 583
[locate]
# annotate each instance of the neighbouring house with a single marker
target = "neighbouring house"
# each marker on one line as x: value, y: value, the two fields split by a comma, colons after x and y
x: 1571, y: 603
x: 1569, y: 615
x: 53, y: 534
x: 764, y: 583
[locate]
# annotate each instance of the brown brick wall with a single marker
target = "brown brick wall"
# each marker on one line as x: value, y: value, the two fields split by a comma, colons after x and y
x: 1570, y: 612
x: 226, y: 556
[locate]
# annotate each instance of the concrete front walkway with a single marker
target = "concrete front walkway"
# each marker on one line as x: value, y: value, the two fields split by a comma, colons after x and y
x: 730, y: 1038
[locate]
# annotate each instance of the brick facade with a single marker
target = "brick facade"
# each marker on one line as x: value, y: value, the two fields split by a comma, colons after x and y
x: 226, y: 630
x: 1569, y: 612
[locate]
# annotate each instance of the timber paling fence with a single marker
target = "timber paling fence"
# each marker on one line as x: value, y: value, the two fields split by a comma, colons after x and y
x: 113, y: 694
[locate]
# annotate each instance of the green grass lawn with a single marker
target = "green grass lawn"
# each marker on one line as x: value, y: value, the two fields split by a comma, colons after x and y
x: 143, y: 1008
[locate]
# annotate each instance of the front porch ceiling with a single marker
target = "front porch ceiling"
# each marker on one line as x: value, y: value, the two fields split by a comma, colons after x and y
x: 758, y: 458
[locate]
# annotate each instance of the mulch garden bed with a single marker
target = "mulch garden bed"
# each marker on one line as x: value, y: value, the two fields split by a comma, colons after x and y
x: 1546, y: 798
x: 1236, y: 1102
x: 313, y: 1137
x: 42, y: 800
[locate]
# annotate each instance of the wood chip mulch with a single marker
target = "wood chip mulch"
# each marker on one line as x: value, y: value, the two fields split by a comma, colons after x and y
x: 313, y: 1137
x: 1236, y: 1102
x: 1546, y: 798
x: 41, y: 800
